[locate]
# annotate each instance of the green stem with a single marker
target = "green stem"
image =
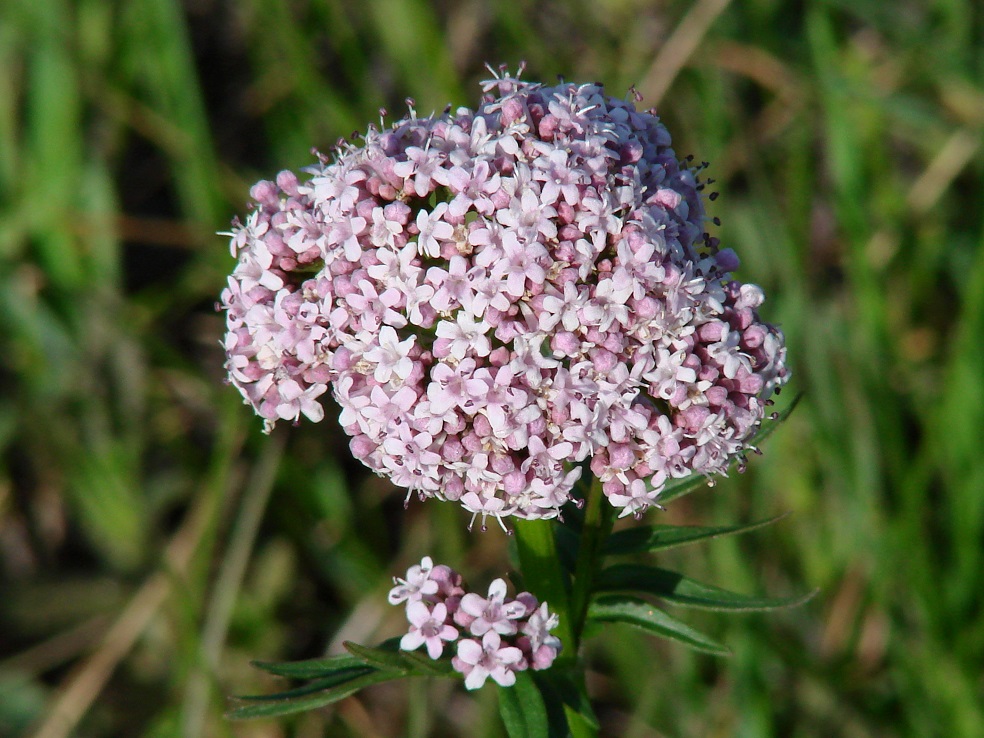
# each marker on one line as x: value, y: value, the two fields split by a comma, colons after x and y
x: 598, y: 520
x: 545, y: 577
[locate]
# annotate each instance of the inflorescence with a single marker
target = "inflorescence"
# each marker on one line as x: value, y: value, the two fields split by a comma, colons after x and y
x: 506, y: 635
x: 497, y: 296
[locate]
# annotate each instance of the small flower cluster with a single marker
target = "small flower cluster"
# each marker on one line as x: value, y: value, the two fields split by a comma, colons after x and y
x: 508, y: 635
x: 496, y: 296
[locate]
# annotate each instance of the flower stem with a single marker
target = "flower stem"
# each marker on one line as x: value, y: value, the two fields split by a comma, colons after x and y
x: 598, y: 521
x: 544, y: 576
x: 569, y: 596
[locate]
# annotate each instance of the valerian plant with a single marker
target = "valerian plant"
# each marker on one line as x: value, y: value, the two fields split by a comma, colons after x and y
x: 518, y: 309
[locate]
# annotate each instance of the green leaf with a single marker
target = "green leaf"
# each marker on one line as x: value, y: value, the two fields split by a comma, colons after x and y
x: 686, y: 592
x: 544, y: 574
x: 644, y: 615
x: 661, y: 537
x: 568, y: 540
x: 310, y: 668
x: 569, y: 711
x: 386, y: 656
x: 423, y: 665
x: 680, y: 487
x: 522, y: 708
x: 312, y: 702
x: 334, y: 680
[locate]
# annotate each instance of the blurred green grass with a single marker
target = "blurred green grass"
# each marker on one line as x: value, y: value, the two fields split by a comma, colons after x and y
x: 152, y: 541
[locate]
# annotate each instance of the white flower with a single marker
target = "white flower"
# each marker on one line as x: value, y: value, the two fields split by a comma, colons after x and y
x: 428, y: 627
x: 465, y: 334
x: 432, y: 228
x: 391, y: 356
x: 416, y: 585
x: 489, y: 658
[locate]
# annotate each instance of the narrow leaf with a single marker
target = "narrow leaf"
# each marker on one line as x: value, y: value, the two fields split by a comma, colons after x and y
x: 385, y: 656
x: 642, y: 614
x: 334, y: 680
x: 686, y: 592
x: 661, y: 537
x: 312, y: 702
x: 569, y: 712
x: 522, y: 708
x: 310, y: 668
x: 681, y: 487
x: 423, y: 665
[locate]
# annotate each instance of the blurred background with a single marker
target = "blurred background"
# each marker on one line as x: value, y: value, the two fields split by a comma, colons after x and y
x: 152, y: 541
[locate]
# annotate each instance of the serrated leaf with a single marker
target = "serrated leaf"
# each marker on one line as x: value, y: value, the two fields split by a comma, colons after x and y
x: 386, y: 656
x: 680, y: 590
x: 334, y: 680
x: 310, y: 668
x: 661, y: 537
x: 641, y: 614
x: 311, y: 702
x: 522, y: 708
x: 680, y: 487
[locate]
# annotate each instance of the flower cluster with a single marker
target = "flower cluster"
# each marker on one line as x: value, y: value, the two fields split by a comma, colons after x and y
x: 507, y: 635
x: 496, y: 296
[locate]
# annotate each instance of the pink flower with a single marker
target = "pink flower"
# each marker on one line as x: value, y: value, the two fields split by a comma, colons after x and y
x: 417, y: 584
x: 489, y: 658
x: 428, y: 627
x: 515, y: 633
x: 493, y: 296
x: 433, y: 230
x: 391, y: 356
x: 480, y: 615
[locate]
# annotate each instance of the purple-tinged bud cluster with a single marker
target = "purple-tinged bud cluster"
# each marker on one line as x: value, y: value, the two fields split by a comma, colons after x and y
x: 496, y: 296
x: 498, y: 636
